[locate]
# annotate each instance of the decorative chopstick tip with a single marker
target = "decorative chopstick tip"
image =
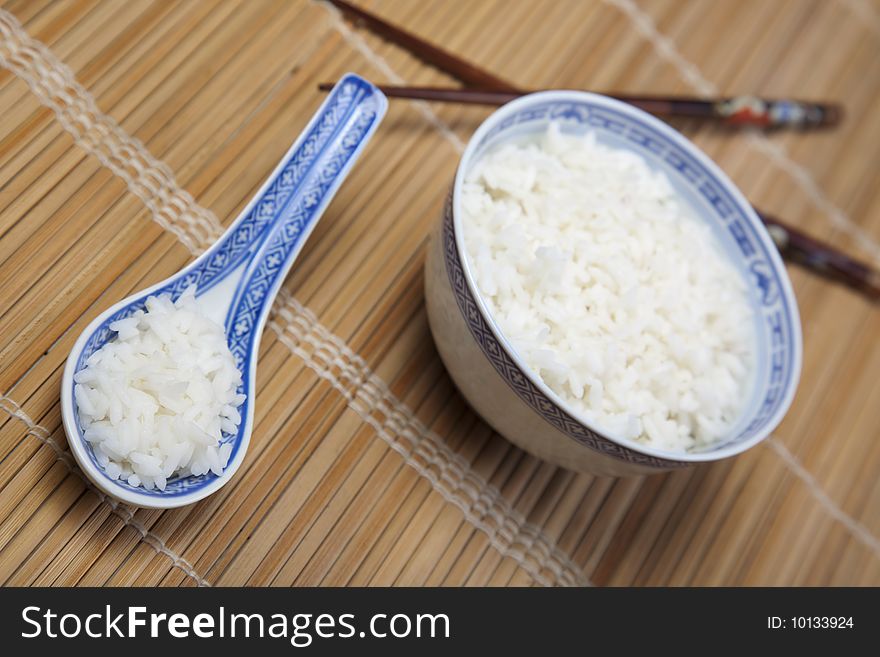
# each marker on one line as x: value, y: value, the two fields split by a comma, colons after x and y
x: 750, y: 110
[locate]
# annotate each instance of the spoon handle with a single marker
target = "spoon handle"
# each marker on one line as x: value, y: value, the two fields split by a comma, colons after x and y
x: 223, y: 262
x: 288, y: 207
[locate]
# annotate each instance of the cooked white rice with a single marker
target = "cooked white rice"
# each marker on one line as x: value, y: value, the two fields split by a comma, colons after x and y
x: 154, y: 401
x: 609, y: 289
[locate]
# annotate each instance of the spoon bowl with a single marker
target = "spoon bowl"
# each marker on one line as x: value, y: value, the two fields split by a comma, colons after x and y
x: 238, y: 277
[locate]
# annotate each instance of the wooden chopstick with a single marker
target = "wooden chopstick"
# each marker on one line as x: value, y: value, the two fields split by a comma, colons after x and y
x: 489, y: 89
x: 818, y: 257
x: 821, y: 258
x: 729, y: 111
x: 445, y: 61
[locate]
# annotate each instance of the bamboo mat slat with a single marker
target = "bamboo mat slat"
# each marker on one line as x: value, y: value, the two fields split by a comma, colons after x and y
x: 356, y: 419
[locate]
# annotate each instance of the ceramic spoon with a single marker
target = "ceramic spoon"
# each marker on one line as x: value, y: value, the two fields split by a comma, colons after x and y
x: 238, y: 277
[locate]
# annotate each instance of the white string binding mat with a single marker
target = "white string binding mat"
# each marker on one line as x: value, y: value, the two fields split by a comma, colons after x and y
x: 124, y: 513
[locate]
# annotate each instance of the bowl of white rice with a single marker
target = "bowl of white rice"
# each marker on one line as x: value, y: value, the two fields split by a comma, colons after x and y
x: 604, y: 296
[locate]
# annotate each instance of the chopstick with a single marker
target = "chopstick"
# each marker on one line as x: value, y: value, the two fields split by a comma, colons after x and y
x: 816, y: 256
x: 821, y: 258
x: 489, y: 89
x: 445, y: 61
x: 733, y: 111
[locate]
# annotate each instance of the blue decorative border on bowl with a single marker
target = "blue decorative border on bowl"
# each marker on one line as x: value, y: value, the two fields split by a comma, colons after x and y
x: 249, y: 234
x: 767, y: 284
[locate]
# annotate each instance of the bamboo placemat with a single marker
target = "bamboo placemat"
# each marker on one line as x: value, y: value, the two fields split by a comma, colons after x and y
x: 366, y: 466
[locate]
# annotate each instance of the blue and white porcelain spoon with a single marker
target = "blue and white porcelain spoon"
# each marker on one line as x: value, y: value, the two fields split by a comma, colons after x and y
x: 238, y: 277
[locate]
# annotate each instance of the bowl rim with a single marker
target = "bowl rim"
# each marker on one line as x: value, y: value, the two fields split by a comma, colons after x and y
x: 787, y: 293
